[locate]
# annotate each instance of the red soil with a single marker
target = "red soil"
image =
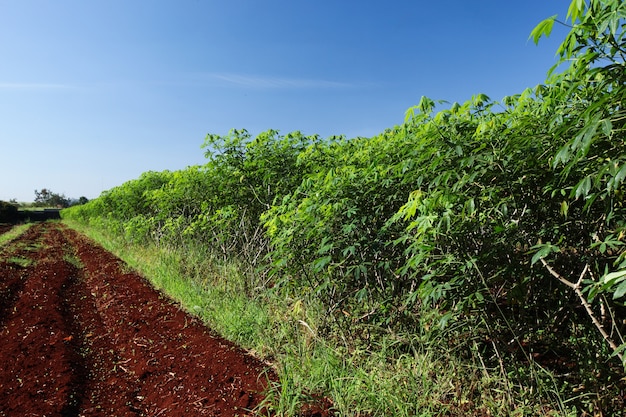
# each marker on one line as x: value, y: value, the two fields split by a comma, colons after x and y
x: 90, y: 338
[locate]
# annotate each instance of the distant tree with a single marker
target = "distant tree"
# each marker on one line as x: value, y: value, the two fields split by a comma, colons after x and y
x: 8, y: 212
x: 47, y: 198
x: 79, y: 202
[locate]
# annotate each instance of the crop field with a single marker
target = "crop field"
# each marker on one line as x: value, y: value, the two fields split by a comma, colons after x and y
x: 470, y: 261
x: 84, y: 336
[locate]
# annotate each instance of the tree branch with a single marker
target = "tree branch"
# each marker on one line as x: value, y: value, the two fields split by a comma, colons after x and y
x: 585, y: 303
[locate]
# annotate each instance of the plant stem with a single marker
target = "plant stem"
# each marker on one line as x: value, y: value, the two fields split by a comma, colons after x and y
x: 585, y: 303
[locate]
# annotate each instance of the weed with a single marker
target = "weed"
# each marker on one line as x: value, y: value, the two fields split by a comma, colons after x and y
x: 12, y: 234
x: 74, y: 260
x: 21, y: 261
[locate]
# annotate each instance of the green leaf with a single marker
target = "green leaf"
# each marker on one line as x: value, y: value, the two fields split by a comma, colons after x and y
x: 544, y: 28
x: 409, y: 115
x: 563, y: 156
x: 606, y: 126
x: 325, y: 246
x: 576, y: 10
x: 566, y: 49
x: 320, y: 263
x: 564, y: 208
x: 620, y: 291
x: 619, y: 177
x: 614, y: 277
x: 621, y: 348
x: 361, y: 295
x: 426, y: 105
x: 480, y: 100
x: 543, y: 251
x: 350, y: 250
x: 583, y: 187
x: 470, y: 207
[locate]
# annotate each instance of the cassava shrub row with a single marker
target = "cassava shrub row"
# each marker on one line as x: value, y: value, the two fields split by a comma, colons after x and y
x: 506, y: 218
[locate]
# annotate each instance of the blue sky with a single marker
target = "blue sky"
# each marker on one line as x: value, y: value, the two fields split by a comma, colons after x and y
x: 93, y: 93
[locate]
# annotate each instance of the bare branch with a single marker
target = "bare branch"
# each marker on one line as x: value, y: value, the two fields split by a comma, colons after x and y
x: 557, y: 275
x: 585, y: 303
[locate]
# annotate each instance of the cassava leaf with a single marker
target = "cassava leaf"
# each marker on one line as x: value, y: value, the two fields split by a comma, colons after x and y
x: 620, y: 291
x: 544, y: 28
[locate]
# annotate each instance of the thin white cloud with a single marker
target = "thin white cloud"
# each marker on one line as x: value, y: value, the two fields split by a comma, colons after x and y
x: 33, y: 86
x: 254, y: 81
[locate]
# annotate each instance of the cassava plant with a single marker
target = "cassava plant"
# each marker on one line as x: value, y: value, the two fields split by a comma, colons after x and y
x: 588, y: 99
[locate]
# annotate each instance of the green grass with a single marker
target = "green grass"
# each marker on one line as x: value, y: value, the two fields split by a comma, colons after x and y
x: 13, y: 233
x: 8, y: 249
x: 73, y: 259
x: 399, y: 375
x: 18, y: 260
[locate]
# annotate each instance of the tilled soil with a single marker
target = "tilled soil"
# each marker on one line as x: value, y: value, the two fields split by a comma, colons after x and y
x: 82, y: 336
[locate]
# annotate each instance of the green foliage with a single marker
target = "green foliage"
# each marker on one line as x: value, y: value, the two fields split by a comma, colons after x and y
x: 15, y: 231
x: 481, y: 215
x: 8, y: 212
x: 331, y: 237
x: 587, y: 101
x: 48, y: 198
x: 543, y: 29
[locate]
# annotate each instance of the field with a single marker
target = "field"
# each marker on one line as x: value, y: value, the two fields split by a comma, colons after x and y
x: 470, y: 261
x: 83, y: 335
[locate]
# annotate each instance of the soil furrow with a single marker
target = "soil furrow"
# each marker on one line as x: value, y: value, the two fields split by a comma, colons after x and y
x: 44, y: 371
x: 5, y: 228
x: 13, y: 278
x: 107, y: 389
x: 15, y: 266
x: 84, y: 337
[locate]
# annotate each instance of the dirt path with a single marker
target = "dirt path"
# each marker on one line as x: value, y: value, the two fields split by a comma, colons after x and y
x: 82, y: 336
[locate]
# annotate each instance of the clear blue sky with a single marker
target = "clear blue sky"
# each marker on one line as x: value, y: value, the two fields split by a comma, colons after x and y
x: 95, y: 92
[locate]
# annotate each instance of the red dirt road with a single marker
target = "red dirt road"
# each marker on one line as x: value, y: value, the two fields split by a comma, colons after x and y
x: 83, y: 336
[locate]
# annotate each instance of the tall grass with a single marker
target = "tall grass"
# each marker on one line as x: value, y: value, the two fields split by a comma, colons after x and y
x: 415, y: 374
